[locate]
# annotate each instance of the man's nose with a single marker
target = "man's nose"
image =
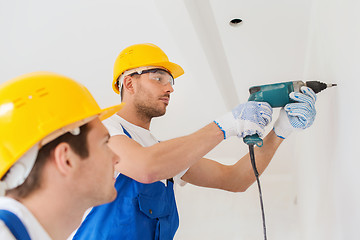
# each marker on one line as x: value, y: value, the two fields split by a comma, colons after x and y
x: 115, y: 158
x: 169, y: 88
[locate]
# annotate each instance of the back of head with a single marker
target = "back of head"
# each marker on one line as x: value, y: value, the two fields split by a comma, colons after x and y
x: 35, y: 109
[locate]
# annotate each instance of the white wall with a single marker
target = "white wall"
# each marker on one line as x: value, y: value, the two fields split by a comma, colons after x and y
x: 328, y: 159
x: 268, y: 47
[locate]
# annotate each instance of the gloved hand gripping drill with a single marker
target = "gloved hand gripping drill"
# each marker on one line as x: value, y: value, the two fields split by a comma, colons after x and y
x: 298, y: 101
x: 248, y: 120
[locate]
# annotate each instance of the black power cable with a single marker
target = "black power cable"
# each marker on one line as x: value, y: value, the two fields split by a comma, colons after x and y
x: 252, y: 158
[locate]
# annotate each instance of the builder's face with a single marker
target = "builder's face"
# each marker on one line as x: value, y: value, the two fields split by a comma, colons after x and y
x: 97, y: 171
x: 152, y: 96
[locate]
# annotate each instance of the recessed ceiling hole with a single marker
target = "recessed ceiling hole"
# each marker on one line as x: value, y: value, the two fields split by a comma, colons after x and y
x: 235, y: 22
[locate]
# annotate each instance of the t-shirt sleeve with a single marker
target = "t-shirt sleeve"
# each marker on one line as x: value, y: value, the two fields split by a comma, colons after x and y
x: 113, y: 127
x: 178, y: 180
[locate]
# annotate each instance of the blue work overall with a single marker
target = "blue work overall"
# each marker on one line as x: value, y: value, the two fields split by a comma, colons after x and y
x: 14, y: 224
x: 140, y: 212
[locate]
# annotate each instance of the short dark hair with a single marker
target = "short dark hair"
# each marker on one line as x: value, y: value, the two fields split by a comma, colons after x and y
x: 78, y: 144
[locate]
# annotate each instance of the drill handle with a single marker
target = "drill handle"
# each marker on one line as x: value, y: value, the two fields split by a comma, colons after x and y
x: 253, y: 140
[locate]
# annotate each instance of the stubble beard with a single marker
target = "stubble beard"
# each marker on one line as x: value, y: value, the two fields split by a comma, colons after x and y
x: 145, y: 106
x: 146, y: 111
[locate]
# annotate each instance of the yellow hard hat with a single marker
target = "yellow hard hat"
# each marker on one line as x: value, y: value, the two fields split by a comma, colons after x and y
x: 140, y: 55
x: 37, y: 105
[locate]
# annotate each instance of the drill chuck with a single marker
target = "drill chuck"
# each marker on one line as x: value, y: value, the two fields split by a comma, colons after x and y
x: 317, y: 86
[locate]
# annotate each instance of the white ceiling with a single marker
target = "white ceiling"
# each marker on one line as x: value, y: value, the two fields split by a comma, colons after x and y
x: 82, y: 38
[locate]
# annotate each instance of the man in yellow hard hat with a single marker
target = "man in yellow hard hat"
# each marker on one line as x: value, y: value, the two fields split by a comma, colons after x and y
x: 54, y: 157
x: 146, y: 207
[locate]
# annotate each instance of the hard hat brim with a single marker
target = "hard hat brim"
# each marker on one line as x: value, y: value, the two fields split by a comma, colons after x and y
x: 102, y: 115
x: 174, y: 69
x: 108, y: 112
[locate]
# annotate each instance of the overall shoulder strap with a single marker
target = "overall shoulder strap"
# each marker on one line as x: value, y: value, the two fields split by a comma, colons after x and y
x: 125, y: 131
x: 15, y: 225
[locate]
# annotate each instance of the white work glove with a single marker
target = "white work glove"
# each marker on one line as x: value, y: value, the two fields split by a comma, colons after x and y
x: 296, y: 116
x: 246, y: 119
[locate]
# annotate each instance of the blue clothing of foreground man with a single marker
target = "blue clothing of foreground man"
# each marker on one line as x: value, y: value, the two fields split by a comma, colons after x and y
x: 145, y: 206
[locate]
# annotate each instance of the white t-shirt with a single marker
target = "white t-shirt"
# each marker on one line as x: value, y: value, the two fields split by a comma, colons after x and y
x: 139, y: 134
x: 35, y: 230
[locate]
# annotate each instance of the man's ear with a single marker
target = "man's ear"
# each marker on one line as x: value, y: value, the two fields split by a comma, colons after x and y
x: 64, y: 158
x: 128, y: 84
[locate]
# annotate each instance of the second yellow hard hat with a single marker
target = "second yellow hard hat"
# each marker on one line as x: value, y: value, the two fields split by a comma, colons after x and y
x: 140, y: 55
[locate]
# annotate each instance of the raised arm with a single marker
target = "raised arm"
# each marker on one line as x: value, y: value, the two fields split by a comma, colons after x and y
x: 165, y: 159
x: 237, y: 177
x: 168, y: 158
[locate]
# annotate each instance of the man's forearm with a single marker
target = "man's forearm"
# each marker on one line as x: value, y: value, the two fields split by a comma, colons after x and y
x: 167, y: 158
x: 241, y: 174
x: 181, y: 153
